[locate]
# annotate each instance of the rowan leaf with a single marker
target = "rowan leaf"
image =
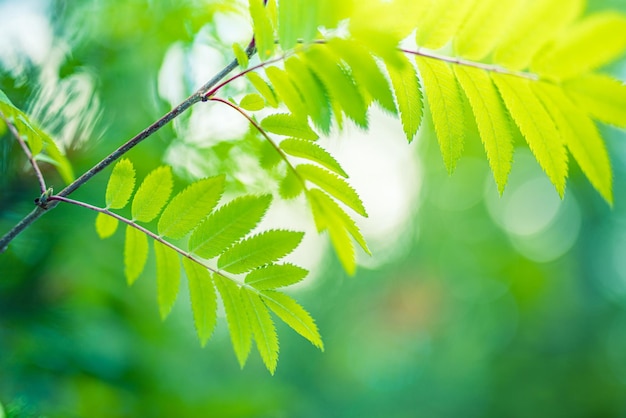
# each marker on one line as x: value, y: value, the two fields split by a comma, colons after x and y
x: 274, y: 276
x: 121, y: 185
x: 334, y: 185
x: 258, y: 250
x: 603, y: 97
x: 135, y: 253
x: 263, y: 88
x: 190, y: 207
x: 288, y: 125
x: 408, y: 94
x: 313, y: 152
x: 286, y: 90
x: 106, y: 225
x: 263, y: 31
x: 203, y: 299
x: 293, y: 315
x: 152, y: 195
x: 228, y: 225
x: 241, y: 56
x: 263, y: 329
x: 168, y: 277
x: 252, y: 102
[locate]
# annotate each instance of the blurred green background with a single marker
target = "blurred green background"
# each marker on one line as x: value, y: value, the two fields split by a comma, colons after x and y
x: 479, y: 306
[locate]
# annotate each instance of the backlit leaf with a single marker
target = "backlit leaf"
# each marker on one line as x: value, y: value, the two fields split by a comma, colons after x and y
x: 240, y: 54
x: 286, y: 90
x: 106, y: 225
x: 237, y: 318
x: 189, y: 207
x: 263, y: 31
x: 442, y: 22
x: 293, y: 315
x: 334, y: 185
x: 263, y: 329
x: 152, y: 195
x: 203, y: 299
x: 135, y: 253
x: 252, y: 102
x: 536, y: 126
x: 446, y: 108
x: 273, y: 276
x: 228, y: 225
x: 168, y: 277
x: 408, y: 94
x: 311, y: 151
x: 288, y: 125
x: 491, y: 118
x: 258, y: 250
x: 263, y: 88
x: 121, y: 184
x: 603, y: 97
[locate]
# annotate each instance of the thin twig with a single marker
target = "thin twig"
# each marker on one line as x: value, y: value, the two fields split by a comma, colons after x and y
x: 29, y: 154
x: 460, y: 61
x: 265, y: 135
x: 198, y: 96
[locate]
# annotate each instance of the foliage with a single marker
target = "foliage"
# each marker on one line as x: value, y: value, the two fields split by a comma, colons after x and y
x: 507, y: 69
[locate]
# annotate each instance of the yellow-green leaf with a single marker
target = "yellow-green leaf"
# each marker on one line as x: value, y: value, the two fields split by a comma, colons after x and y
x: 442, y: 22
x: 190, y: 207
x: 263, y: 31
x: 263, y: 88
x: 536, y: 126
x: 168, y: 277
x: 408, y: 94
x: 121, y: 184
x: 240, y: 55
x: 237, y: 318
x: 106, y: 225
x: 288, y: 125
x: 293, y: 315
x: 263, y: 329
x: 203, y: 299
x: 446, y: 108
x: 135, y: 253
x: 252, y: 102
x: 491, y: 118
x: 581, y: 137
x: 311, y: 151
x: 152, y: 195
x: 596, y: 41
x: 273, y: 276
x: 603, y: 97
x: 286, y: 90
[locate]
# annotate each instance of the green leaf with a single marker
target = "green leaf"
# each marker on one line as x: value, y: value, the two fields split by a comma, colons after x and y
x: 442, y: 22
x: 536, y: 126
x: 581, y: 137
x: 408, y: 96
x: 316, y: 98
x: 293, y: 315
x: 240, y: 54
x: 252, y: 102
x: 58, y: 159
x: 594, y: 42
x: 263, y: 31
x: 328, y: 214
x: 189, y: 207
x: 484, y: 27
x: 603, y: 97
x: 228, y: 225
x: 106, y: 225
x: 263, y: 88
x: 288, y: 125
x: 286, y: 91
x: 365, y: 71
x: 273, y: 276
x: 446, y: 108
x: 492, y: 120
x: 266, y: 247
x: 339, y: 83
x: 237, y: 318
x: 289, y: 23
x: 152, y: 195
x: 203, y: 299
x: 121, y: 184
x: 334, y: 185
x: 168, y: 277
x: 32, y: 136
x: 311, y: 151
x: 135, y: 254
x: 290, y: 186
x: 534, y: 25
x: 263, y: 329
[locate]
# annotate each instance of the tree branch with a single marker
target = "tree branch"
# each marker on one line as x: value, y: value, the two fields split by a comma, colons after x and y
x: 199, y: 95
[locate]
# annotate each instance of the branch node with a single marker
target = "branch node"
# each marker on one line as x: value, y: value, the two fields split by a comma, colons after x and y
x: 43, y: 200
